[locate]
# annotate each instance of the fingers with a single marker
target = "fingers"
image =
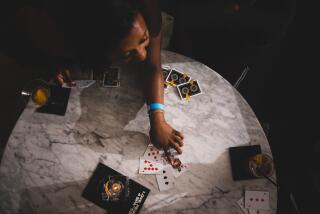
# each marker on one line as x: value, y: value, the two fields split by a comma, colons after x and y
x: 176, y: 146
x: 178, y: 140
x: 59, y: 78
x: 179, y: 134
x: 67, y: 75
x: 64, y: 76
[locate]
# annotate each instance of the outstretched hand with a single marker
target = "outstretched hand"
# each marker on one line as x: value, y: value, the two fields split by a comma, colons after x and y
x: 162, y: 135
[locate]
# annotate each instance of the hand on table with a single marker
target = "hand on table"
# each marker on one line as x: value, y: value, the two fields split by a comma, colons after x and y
x: 64, y: 76
x: 162, y: 135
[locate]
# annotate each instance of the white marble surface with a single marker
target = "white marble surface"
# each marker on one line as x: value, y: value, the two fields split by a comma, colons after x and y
x: 49, y: 159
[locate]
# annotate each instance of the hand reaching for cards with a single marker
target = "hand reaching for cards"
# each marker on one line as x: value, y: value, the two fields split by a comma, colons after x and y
x: 162, y: 135
x: 63, y: 75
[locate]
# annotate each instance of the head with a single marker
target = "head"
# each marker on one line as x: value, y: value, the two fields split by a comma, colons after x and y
x: 114, y: 28
x: 133, y: 45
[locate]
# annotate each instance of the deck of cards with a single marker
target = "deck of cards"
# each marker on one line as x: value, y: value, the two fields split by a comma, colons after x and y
x: 186, y: 86
x: 254, y: 202
x: 155, y: 162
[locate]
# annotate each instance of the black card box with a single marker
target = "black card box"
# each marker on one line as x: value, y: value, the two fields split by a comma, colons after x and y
x: 239, y: 161
x: 57, y: 102
x: 132, y: 205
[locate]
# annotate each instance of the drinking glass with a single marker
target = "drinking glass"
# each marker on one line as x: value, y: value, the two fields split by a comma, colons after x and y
x: 38, y: 91
x: 261, y: 165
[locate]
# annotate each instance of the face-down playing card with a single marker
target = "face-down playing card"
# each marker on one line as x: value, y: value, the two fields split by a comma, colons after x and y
x: 166, y: 71
x: 190, y: 89
x: 176, y: 78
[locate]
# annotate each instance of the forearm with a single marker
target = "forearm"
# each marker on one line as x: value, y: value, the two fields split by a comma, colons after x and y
x: 153, y: 76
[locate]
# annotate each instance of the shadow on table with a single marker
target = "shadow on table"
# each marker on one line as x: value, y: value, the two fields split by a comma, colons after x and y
x: 66, y: 197
x: 196, y: 189
x: 56, y: 198
x: 105, y: 112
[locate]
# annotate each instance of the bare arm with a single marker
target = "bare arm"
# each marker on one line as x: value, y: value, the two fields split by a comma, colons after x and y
x: 161, y: 133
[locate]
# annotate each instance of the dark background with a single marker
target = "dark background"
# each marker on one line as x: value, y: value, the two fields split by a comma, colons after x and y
x: 278, y: 41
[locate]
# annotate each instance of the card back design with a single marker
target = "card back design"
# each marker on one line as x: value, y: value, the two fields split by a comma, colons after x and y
x: 111, y: 77
x: 190, y: 89
x: 176, y: 78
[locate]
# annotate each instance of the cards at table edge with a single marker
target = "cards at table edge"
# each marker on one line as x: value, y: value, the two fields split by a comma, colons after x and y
x: 253, y: 194
x: 118, y: 68
x: 178, y: 88
x: 240, y: 203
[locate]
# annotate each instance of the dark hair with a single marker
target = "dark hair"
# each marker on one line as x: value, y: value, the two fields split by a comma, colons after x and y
x: 97, y: 26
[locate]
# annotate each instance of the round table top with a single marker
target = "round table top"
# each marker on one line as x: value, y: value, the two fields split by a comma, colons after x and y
x: 49, y: 159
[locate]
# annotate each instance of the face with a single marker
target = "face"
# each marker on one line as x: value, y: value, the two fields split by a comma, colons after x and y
x: 133, y: 46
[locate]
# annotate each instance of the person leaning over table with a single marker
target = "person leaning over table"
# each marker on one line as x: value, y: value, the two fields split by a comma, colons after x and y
x: 90, y: 32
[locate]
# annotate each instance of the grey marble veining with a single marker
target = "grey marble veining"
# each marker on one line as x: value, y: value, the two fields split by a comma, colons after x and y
x: 49, y: 159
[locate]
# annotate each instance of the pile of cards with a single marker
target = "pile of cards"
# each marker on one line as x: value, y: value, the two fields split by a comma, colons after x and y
x: 256, y: 202
x: 153, y: 162
x: 186, y: 86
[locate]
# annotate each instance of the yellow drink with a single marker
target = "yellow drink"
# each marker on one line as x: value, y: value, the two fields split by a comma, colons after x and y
x: 40, y: 96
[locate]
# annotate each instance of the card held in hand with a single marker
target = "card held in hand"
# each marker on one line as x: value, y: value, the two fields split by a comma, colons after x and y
x: 115, y: 192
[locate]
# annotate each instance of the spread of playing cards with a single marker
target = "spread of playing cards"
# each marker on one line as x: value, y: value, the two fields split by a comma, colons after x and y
x: 186, y: 86
x: 165, y: 165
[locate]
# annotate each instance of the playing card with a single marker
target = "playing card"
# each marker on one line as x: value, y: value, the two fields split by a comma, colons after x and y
x: 165, y: 180
x: 111, y: 77
x: 257, y: 200
x: 190, y: 89
x: 149, y: 167
x: 240, y: 202
x: 80, y: 84
x: 180, y: 170
x: 257, y: 211
x: 176, y: 78
x: 153, y: 154
x: 166, y: 71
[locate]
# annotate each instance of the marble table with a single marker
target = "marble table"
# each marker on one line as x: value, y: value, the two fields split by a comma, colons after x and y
x: 49, y: 159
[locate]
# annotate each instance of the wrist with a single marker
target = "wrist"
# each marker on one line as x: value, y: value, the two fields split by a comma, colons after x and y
x: 156, y: 117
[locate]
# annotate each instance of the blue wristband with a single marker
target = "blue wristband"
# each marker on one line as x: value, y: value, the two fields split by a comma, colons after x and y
x: 154, y: 106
